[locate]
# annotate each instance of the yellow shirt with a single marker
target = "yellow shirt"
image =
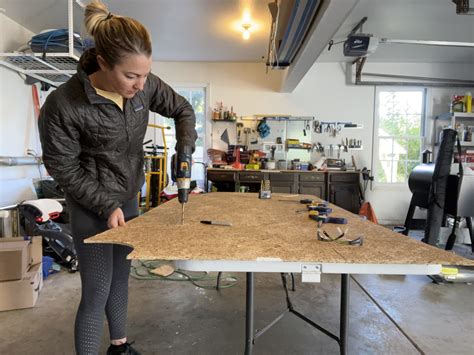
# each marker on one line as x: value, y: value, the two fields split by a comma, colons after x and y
x: 117, y: 98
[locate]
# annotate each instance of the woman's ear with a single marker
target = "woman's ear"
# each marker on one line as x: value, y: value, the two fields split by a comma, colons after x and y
x: 102, y: 63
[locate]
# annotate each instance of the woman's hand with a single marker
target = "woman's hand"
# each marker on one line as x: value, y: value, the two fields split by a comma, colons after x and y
x: 116, y: 219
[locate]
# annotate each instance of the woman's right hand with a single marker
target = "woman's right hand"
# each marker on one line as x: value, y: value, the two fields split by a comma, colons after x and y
x: 116, y: 219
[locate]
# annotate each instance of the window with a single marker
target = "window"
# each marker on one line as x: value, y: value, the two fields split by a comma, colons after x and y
x: 197, y: 98
x: 399, y: 132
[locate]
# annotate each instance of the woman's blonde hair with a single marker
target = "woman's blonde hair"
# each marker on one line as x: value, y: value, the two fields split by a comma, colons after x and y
x: 115, y: 36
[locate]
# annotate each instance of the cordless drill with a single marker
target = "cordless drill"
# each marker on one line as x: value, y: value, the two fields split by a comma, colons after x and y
x: 181, y: 174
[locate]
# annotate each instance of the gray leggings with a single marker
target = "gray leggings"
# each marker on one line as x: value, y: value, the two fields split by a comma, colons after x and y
x: 104, y: 276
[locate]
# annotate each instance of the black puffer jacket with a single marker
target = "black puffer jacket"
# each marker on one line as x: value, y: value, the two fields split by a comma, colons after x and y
x: 93, y: 149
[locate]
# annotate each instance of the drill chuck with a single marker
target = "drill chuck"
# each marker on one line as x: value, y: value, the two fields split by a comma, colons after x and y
x: 183, y: 194
x: 181, y: 172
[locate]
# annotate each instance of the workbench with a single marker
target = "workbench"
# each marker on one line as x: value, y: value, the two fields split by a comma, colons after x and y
x: 339, y: 187
x: 273, y: 235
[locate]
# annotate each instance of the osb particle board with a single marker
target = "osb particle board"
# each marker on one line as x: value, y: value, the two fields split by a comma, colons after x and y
x: 263, y: 229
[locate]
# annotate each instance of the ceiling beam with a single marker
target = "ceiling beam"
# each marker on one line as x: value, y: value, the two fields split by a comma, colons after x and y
x: 330, y: 17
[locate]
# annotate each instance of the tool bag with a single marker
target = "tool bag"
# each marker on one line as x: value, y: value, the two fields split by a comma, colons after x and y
x: 38, y: 217
x: 263, y: 128
x: 55, y: 41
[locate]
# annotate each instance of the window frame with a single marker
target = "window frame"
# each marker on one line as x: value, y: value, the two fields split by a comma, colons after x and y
x: 206, y: 124
x: 206, y: 88
x: 376, y: 137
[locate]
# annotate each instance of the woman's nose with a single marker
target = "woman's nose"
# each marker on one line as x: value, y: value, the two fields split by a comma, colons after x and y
x: 140, y: 84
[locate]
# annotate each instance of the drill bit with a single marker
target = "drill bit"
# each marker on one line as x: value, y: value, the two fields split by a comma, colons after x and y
x: 182, y: 214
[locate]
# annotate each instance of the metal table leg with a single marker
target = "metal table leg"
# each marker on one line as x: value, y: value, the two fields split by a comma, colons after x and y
x: 250, y: 336
x: 249, y: 314
x: 344, y: 321
x: 471, y: 233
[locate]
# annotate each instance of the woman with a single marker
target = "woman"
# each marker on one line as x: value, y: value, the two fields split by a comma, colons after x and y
x: 92, y: 130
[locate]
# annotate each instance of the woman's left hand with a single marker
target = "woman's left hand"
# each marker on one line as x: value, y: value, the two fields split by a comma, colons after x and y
x: 116, y: 219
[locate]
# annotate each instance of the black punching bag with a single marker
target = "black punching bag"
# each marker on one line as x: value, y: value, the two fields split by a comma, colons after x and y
x: 437, y: 194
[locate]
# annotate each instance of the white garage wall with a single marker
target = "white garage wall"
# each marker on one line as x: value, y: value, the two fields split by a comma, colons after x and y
x: 17, y: 123
x: 323, y: 93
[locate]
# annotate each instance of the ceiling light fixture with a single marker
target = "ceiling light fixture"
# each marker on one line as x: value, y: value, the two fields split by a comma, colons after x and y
x: 246, y: 33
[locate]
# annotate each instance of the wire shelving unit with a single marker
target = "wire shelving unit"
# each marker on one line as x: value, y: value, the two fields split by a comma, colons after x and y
x: 51, y: 68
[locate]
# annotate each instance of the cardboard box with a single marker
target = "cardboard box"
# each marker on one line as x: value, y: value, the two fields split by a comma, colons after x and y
x: 22, y: 293
x: 35, y: 249
x: 17, y: 254
x: 14, y: 258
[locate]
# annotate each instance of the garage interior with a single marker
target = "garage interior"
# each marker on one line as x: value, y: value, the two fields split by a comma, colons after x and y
x: 359, y: 109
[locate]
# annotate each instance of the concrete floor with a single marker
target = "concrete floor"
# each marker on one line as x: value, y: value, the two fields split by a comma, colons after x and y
x: 179, y: 318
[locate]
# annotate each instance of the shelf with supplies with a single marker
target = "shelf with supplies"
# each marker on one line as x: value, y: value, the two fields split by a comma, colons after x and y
x: 283, y: 118
x: 452, y: 115
x: 342, y: 125
x: 307, y: 146
x: 218, y: 120
x: 53, y: 68
x: 457, y: 121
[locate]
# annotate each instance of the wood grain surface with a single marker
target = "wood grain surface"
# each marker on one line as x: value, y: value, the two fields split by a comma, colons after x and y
x: 263, y: 229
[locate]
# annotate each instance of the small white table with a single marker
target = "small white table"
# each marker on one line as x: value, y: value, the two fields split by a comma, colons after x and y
x: 310, y: 272
x: 276, y: 236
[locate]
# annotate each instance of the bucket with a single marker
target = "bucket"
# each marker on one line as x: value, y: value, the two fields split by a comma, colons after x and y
x: 282, y: 165
x: 270, y: 165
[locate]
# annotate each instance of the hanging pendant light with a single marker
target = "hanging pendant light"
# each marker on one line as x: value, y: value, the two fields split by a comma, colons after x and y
x: 246, y: 33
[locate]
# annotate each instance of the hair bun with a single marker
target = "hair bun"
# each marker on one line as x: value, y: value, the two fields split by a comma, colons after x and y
x: 96, y: 12
x: 115, y: 39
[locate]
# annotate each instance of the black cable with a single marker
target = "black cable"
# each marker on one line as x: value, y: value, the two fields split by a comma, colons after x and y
x: 388, y: 316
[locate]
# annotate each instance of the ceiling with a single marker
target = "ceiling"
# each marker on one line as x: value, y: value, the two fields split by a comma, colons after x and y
x: 209, y: 30
x: 182, y: 30
x: 434, y: 20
